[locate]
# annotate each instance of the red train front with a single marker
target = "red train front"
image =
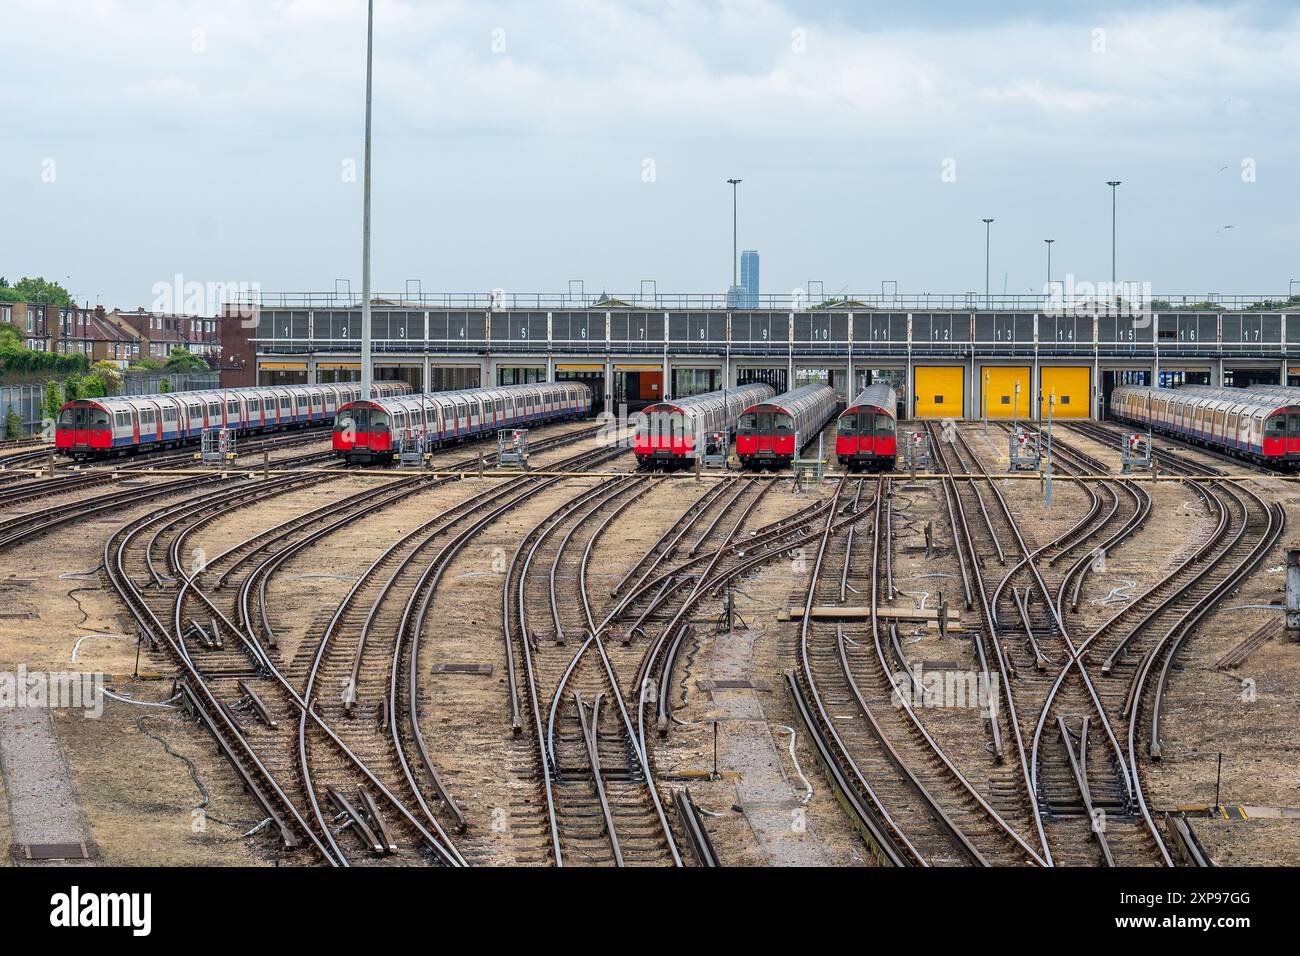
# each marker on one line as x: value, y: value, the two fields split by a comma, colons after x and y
x: 867, y: 432
x: 83, y: 428
x: 362, y: 432
x: 771, y: 433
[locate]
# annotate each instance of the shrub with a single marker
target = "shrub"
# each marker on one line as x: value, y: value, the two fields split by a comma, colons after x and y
x: 14, y: 425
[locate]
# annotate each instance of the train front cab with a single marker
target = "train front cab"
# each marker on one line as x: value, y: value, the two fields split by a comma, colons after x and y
x: 1281, y: 441
x: 765, y: 437
x: 662, y: 436
x: 362, y: 434
x: 866, y: 437
x: 83, y: 428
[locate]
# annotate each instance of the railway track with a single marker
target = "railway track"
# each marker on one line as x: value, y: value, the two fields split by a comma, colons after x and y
x: 1092, y: 807
x: 852, y: 690
x: 265, y: 717
x: 1138, y: 647
x: 572, y: 652
x: 602, y: 805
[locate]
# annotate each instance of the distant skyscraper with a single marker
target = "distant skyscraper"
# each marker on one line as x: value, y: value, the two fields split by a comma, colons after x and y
x: 736, y: 297
x: 749, y: 277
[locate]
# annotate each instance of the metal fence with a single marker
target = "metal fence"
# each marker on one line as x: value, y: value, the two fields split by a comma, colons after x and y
x: 28, y: 401
x: 150, y: 383
x: 810, y: 297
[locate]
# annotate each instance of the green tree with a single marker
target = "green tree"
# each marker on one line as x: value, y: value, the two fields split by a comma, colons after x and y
x: 14, y: 425
x: 183, y: 360
x: 146, y: 365
x: 30, y: 290
x: 107, y: 373
x: 53, y: 399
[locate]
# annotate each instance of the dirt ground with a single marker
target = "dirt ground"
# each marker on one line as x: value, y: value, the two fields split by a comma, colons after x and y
x: 154, y: 790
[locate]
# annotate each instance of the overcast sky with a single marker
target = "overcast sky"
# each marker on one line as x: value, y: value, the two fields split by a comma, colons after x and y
x: 523, y: 144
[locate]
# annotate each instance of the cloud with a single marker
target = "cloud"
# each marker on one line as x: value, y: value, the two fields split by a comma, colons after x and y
x: 505, y: 121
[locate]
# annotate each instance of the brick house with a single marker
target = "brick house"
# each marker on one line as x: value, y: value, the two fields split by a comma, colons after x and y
x: 159, y: 333
x: 32, y: 321
x: 88, y: 332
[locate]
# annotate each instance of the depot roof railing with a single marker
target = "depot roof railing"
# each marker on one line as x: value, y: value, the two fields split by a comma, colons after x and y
x: 892, y: 302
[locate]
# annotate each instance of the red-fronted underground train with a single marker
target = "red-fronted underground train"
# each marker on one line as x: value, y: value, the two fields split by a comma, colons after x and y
x: 1262, y: 425
x: 374, y: 430
x: 99, y: 427
x: 767, y: 431
x: 866, y: 435
x: 672, y: 434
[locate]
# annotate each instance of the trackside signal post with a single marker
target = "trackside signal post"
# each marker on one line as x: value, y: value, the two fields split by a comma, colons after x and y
x: 1293, y: 593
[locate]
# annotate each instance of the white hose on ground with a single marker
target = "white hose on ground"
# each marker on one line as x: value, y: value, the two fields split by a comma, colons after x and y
x: 808, y: 790
x: 144, y: 703
x: 105, y: 635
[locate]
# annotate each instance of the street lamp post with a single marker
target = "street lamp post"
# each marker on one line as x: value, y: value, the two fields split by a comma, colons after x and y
x: 988, y: 231
x: 365, y: 215
x: 1048, y: 289
x: 1112, y: 183
x: 735, y: 276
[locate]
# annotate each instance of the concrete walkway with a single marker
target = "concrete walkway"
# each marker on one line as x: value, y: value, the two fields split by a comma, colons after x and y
x: 770, y: 800
x: 43, y: 806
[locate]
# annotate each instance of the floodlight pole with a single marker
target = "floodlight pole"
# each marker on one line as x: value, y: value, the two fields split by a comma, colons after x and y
x: 365, y: 215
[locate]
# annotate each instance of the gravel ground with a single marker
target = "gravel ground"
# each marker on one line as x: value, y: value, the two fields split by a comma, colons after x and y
x: 142, y: 804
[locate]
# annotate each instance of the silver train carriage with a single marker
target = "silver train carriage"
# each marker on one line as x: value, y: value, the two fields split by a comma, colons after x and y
x: 673, y: 433
x: 375, y: 430
x: 1262, y: 425
x: 98, y: 427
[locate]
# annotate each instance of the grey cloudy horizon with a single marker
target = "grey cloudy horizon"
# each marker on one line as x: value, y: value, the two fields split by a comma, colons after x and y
x: 521, y: 145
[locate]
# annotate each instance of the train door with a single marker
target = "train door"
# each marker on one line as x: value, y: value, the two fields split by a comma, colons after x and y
x: 764, y: 430
x: 1293, y: 433
x: 135, y: 426
x: 81, y: 425
x: 883, y: 434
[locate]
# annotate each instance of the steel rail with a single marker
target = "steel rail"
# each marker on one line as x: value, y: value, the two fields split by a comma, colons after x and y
x: 1005, y: 669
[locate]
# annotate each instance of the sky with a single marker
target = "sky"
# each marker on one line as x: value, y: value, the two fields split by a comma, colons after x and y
x: 521, y: 145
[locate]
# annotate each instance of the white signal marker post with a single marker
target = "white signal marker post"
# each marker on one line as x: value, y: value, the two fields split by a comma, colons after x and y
x: 1051, y: 409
